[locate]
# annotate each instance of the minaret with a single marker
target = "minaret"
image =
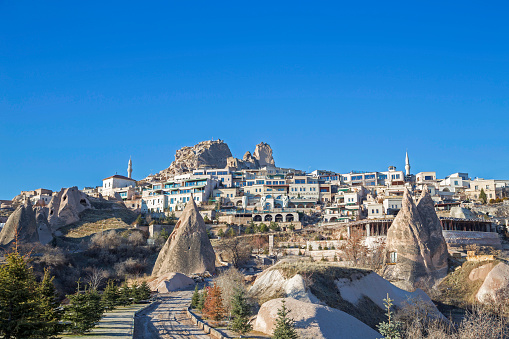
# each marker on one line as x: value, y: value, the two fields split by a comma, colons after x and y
x: 407, y: 165
x: 129, y: 168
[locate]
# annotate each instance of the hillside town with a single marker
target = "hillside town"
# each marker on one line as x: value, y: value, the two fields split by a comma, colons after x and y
x: 321, y: 244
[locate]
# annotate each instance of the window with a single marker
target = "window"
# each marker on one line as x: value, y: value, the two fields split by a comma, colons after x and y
x: 456, y: 183
x: 487, y: 187
x: 428, y: 177
x: 393, y: 257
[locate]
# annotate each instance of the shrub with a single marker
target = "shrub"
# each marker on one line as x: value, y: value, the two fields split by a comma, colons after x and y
x: 130, y: 266
x: 229, y: 282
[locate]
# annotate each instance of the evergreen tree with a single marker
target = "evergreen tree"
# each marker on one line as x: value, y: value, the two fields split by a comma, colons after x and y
x: 482, y: 196
x: 241, y: 311
x: 124, y: 297
x: 49, y: 306
x: 84, y: 310
x: 390, y: 329
x: 109, y: 298
x: 195, y: 300
x: 285, y: 327
x: 213, y: 307
x: 26, y: 307
x: 135, y: 292
x: 144, y: 291
x: 203, y: 297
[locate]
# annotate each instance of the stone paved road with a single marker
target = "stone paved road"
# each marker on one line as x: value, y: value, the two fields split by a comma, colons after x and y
x: 167, y: 319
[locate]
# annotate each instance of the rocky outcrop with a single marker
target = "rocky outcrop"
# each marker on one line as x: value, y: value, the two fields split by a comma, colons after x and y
x: 43, y: 228
x: 170, y: 282
x: 495, y: 287
x: 480, y: 272
x: 188, y: 249
x: 436, y: 243
x: 65, y: 207
x: 21, y: 225
x: 210, y: 153
x: 416, y: 241
x: 263, y: 154
x: 462, y: 213
x: 313, y: 320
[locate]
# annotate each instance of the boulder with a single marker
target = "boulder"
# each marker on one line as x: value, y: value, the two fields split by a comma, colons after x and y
x: 271, y: 283
x: 171, y: 282
x: 416, y: 242
x: 496, y: 285
x: 65, y: 207
x: 263, y: 154
x: 480, y: 272
x: 313, y: 321
x: 21, y: 225
x: 188, y: 249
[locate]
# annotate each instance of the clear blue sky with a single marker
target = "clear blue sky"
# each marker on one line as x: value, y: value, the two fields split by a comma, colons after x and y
x: 330, y: 85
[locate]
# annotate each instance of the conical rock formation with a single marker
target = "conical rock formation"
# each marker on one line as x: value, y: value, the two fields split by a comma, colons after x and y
x: 21, y: 223
x: 415, y: 239
x: 65, y: 207
x: 188, y: 249
x: 436, y: 244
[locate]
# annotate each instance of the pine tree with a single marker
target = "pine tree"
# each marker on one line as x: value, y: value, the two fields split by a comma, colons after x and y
x: 49, y: 306
x: 124, y: 297
x: 482, y: 196
x: 24, y: 308
x: 144, y: 291
x: 241, y: 311
x: 84, y: 310
x: 203, y: 297
x: 195, y: 300
x: 135, y: 292
x: 390, y: 329
x: 213, y: 307
x: 109, y: 298
x: 285, y: 327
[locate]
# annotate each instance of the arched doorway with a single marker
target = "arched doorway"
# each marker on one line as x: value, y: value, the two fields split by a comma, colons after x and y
x: 289, y: 217
x: 257, y: 218
x: 278, y: 218
x: 268, y: 217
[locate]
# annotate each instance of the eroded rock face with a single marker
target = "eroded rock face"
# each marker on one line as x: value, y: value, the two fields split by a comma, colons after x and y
x: 65, y: 207
x: 43, y: 228
x: 461, y: 212
x: 21, y: 223
x: 416, y: 239
x: 480, y: 272
x: 212, y: 153
x: 188, y: 249
x: 313, y: 321
x: 495, y: 287
x: 263, y: 154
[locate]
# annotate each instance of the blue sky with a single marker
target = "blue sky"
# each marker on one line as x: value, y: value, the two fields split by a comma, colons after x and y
x: 330, y: 85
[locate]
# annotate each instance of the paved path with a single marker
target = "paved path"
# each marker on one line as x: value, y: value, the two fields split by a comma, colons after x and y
x: 167, y: 319
x: 113, y: 325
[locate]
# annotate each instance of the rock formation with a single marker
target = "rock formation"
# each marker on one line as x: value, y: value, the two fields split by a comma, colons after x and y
x: 263, y: 154
x: 436, y: 244
x: 21, y: 224
x: 65, y: 207
x: 43, y: 228
x: 496, y: 285
x: 416, y: 241
x: 313, y: 321
x: 170, y: 282
x: 210, y: 153
x: 461, y: 212
x: 188, y: 249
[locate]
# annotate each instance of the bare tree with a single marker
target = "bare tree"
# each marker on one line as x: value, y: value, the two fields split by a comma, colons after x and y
x: 230, y: 281
x: 237, y: 250
x: 95, y: 277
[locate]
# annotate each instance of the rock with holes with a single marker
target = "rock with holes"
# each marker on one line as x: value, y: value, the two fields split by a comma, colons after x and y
x: 43, y: 228
x: 21, y: 225
x: 416, y: 249
x: 65, y: 207
x: 188, y: 249
x: 263, y: 155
